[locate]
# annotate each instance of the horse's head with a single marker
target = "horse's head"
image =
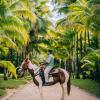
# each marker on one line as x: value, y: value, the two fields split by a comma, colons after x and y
x: 24, y: 66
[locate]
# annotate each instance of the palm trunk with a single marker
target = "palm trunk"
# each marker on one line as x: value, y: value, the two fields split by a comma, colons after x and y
x: 81, y: 46
x: 96, y: 42
x: 11, y: 55
x: 17, y: 60
x: 84, y: 43
x: 73, y: 57
x: 22, y: 56
x: 77, y: 73
x: 65, y: 63
x: 5, y: 74
x: 59, y: 62
x: 88, y: 39
x: 97, y: 71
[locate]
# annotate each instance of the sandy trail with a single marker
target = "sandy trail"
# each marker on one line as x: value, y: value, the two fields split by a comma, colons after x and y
x: 31, y: 92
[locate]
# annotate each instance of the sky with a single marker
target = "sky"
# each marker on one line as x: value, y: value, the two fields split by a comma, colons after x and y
x: 55, y: 14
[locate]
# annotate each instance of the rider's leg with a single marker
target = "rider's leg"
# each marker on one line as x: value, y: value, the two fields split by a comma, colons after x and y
x: 46, y: 73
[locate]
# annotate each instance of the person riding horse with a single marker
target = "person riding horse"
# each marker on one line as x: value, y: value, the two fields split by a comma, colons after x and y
x: 61, y: 76
x: 49, y: 64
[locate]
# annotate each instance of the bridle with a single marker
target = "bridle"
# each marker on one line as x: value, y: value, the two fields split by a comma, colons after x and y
x: 25, y: 65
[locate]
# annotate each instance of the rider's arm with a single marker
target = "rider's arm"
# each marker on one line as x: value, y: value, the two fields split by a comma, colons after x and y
x: 47, y: 61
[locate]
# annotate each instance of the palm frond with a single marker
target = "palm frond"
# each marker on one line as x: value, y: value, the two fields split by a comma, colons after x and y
x: 25, y: 13
x: 61, y: 22
x: 91, y: 58
x: 3, y: 8
x: 3, y: 50
x: 7, y: 42
x: 26, y: 3
x: 13, y: 5
x: 9, y: 66
x: 11, y: 25
x: 90, y: 65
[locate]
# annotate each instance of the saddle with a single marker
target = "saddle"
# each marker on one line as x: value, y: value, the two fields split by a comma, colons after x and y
x: 54, y: 71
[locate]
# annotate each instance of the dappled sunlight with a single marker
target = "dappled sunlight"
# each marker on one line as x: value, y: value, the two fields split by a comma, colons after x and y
x: 70, y: 29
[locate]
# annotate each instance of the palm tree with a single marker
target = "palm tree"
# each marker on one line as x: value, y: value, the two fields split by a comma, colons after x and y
x: 81, y: 17
x: 39, y: 28
x: 64, y: 1
x: 92, y: 61
x: 12, y: 30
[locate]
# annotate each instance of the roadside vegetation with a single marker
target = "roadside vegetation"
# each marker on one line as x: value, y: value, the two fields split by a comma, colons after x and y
x: 88, y: 85
x: 12, y: 83
x: 27, y: 31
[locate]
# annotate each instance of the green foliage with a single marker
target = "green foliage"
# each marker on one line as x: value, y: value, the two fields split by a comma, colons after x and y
x: 82, y: 17
x: 9, y: 66
x: 25, y: 30
x: 4, y: 50
x: 13, y: 34
x: 95, y: 1
x: 10, y: 84
x: 64, y: 1
x: 7, y: 42
x: 91, y: 58
x: 2, y: 92
x: 88, y: 85
x: 42, y: 25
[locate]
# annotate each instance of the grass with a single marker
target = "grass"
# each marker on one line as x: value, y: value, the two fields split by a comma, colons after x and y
x: 88, y: 85
x: 2, y: 92
x: 11, y: 84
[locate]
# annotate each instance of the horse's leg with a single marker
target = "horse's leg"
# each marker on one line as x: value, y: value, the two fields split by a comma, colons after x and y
x: 62, y: 97
x: 64, y: 90
x: 66, y: 86
x: 65, y: 79
x: 40, y: 86
x: 41, y: 92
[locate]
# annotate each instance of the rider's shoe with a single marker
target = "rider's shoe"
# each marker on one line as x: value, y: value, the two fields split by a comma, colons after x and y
x: 46, y: 84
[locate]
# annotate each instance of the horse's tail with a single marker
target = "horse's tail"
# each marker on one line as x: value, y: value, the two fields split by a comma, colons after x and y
x: 68, y: 86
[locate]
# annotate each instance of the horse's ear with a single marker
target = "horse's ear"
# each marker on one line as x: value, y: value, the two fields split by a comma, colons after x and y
x: 26, y: 60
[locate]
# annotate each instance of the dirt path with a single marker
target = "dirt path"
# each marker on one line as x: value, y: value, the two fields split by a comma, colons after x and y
x: 30, y: 92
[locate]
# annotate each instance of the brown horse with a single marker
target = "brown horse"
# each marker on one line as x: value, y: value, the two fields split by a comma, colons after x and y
x: 59, y: 75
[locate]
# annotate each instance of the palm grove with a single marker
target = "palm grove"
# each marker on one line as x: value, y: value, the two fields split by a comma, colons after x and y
x: 25, y: 29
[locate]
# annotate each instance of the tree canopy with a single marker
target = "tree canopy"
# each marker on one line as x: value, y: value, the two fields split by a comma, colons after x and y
x: 29, y: 28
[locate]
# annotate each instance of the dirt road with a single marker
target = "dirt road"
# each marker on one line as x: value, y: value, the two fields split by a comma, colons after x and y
x: 30, y: 92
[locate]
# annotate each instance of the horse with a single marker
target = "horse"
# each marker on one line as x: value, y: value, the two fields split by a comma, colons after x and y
x: 59, y: 75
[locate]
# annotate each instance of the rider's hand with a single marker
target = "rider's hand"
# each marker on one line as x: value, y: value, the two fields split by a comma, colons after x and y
x: 43, y: 63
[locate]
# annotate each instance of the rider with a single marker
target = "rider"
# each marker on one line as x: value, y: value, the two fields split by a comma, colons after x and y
x: 49, y: 65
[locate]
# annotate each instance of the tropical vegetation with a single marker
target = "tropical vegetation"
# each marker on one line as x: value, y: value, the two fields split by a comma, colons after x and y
x: 27, y: 30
